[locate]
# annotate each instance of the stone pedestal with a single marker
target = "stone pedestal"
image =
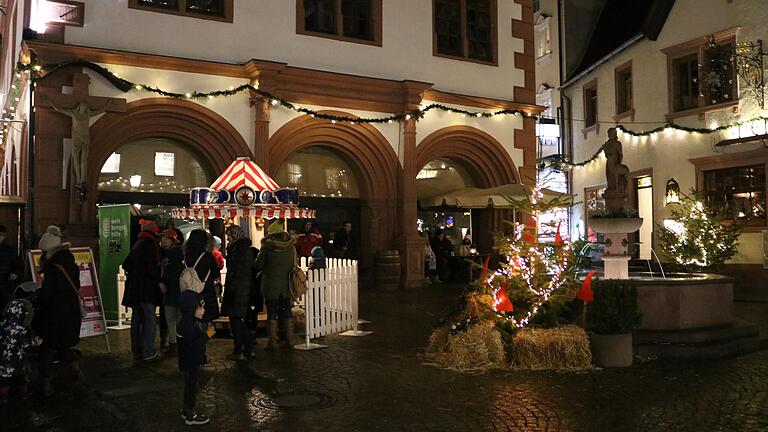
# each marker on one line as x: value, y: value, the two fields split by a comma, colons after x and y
x: 616, y: 267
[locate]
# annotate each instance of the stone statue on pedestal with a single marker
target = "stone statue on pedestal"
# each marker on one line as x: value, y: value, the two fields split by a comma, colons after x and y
x: 616, y: 174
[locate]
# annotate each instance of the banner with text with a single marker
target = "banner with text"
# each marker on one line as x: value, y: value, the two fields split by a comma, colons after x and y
x: 114, y: 245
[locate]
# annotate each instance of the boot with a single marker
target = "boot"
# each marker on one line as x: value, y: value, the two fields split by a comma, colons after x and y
x: 288, y: 326
x: 163, y: 338
x: 272, y: 334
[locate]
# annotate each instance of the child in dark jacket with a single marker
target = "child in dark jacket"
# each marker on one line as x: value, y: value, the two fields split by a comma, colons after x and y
x: 15, y: 339
x: 192, y: 337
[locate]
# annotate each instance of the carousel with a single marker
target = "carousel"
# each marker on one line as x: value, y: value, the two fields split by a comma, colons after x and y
x: 244, y: 192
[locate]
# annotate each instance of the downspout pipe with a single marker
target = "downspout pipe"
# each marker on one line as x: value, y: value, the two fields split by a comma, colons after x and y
x: 30, y: 206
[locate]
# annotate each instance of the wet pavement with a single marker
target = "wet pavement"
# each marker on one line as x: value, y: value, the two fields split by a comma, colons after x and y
x: 378, y: 383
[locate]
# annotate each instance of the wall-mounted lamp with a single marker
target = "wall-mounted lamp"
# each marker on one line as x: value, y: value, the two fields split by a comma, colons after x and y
x: 673, y: 192
x: 135, y: 180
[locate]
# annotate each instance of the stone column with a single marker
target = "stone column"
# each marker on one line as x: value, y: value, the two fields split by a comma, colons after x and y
x: 411, y: 245
x: 261, y: 134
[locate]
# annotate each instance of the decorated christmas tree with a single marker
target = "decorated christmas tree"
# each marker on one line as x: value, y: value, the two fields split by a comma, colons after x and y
x: 698, y: 238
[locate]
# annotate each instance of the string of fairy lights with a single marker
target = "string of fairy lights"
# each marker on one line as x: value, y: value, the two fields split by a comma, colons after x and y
x: 38, y: 71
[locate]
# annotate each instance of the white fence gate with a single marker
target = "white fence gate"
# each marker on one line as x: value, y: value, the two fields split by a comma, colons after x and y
x: 330, y: 304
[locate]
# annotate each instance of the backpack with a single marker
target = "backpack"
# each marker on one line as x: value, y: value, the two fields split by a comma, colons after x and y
x: 189, y: 280
x: 297, y: 280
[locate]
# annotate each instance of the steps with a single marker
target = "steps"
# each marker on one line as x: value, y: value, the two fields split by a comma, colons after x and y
x: 702, y: 343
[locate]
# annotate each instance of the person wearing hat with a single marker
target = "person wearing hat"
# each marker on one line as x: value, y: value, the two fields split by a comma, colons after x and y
x: 57, y: 320
x: 143, y: 291
x: 318, y: 258
x: 276, y: 260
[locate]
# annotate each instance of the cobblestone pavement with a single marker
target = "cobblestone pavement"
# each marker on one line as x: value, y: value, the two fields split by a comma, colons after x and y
x: 377, y: 383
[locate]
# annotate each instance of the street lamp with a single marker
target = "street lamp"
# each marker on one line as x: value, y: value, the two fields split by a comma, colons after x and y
x: 135, y: 180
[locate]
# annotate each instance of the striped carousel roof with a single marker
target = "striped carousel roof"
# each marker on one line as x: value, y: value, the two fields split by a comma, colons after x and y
x: 244, y: 172
x: 269, y: 211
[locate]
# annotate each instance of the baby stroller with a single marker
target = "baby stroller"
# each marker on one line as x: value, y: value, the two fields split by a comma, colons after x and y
x: 18, y: 366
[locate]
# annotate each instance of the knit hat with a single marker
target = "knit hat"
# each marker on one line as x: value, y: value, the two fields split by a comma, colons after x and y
x: 51, y: 239
x: 275, y: 228
x: 317, y: 252
x: 148, y: 225
x: 216, y: 241
x: 170, y: 233
x: 235, y: 233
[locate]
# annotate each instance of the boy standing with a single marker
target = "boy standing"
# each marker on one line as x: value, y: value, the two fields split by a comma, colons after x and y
x: 192, y: 338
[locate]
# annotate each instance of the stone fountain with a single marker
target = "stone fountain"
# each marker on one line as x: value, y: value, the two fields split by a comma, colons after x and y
x: 615, y: 227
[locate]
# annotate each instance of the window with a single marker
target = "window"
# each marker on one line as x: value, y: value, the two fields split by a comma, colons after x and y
x: 65, y: 12
x: 685, y: 81
x: 624, y: 89
x: 465, y: 29
x: 112, y: 165
x: 218, y: 10
x: 536, y: 5
x: 736, y: 193
x: 294, y: 174
x: 701, y: 73
x: 347, y: 20
x: 544, y: 98
x: 164, y: 164
x: 590, y: 104
x: 543, y: 37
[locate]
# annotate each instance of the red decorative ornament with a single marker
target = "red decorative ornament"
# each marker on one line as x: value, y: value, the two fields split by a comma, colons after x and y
x: 501, y: 302
x: 484, y: 272
x: 530, y: 228
x: 585, y: 294
x: 558, y: 237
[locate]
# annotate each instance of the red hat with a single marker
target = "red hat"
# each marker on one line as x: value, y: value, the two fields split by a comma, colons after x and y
x: 170, y: 234
x: 148, y: 225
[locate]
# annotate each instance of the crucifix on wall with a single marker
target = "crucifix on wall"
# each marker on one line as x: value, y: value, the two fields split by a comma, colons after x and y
x: 80, y: 107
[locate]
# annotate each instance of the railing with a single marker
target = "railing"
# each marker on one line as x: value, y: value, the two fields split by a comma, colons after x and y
x: 331, y: 301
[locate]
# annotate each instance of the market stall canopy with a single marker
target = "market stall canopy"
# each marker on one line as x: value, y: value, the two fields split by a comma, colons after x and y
x: 268, y: 211
x: 244, y: 172
x: 503, y: 196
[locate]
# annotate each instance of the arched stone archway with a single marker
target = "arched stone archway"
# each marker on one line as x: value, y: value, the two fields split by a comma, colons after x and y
x: 204, y: 131
x: 373, y: 161
x: 486, y: 161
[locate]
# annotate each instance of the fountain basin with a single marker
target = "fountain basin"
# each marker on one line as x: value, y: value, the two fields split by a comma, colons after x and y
x: 616, y: 225
x: 677, y: 303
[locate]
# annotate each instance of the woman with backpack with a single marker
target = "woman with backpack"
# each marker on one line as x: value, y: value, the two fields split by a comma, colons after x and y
x: 276, y: 260
x: 198, y: 257
x: 237, y: 293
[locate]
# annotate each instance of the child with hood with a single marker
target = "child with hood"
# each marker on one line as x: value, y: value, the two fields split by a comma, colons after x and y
x: 318, y: 258
x: 15, y: 338
x: 192, y: 336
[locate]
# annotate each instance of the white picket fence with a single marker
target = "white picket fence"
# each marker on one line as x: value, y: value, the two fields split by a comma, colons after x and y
x: 330, y: 304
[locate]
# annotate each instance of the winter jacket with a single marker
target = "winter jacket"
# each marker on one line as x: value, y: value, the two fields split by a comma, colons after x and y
x: 240, y: 268
x: 206, y: 266
x: 218, y: 257
x: 15, y: 338
x: 344, y: 244
x: 142, y: 266
x: 317, y: 263
x: 170, y: 274
x: 275, y: 261
x: 9, y: 263
x: 190, y: 332
x: 57, y: 319
x: 307, y: 240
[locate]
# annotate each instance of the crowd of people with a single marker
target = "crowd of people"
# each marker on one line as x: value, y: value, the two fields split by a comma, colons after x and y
x: 164, y: 272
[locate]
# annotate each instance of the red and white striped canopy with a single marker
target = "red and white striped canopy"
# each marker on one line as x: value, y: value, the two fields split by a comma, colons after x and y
x: 244, y: 172
x: 269, y: 211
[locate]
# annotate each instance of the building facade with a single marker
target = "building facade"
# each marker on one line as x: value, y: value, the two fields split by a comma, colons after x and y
x: 352, y: 59
x: 671, y: 67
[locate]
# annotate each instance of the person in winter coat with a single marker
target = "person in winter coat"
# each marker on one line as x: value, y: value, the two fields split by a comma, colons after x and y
x: 173, y: 264
x: 443, y: 249
x: 142, y: 291
x: 196, y: 250
x: 237, y: 293
x: 276, y: 260
x: 57, y: 320
x: 11, y: 268
x: 344, y: 242
x: 309, y: 237
x: 170, y: 225
x: 318, y: 258
x: 15, y: 338
x: 192, y: 335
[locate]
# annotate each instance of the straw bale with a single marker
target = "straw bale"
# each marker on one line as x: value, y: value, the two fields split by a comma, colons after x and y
x: 561, y: 348
x: 477, y: 349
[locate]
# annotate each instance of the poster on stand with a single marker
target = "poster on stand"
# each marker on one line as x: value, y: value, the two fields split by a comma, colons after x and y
x: 94, y: 323
x: 114, y: 246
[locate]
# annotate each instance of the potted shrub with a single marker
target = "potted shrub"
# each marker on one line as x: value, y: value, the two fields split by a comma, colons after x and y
x: 611, y: 316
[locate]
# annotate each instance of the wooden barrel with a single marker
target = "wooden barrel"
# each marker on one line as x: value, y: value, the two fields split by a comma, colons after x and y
x: 388, y: 271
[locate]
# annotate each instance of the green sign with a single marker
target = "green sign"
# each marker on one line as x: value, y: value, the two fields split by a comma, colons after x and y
x: 114, y: 245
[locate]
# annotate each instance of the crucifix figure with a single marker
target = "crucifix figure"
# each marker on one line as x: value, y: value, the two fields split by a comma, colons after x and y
x: 80, y: 107
x: 81, y: 137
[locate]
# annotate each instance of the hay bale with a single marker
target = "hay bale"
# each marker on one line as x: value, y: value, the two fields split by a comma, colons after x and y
x: 477, y: 349
x: 561, y: 348
x: 478, y: 305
